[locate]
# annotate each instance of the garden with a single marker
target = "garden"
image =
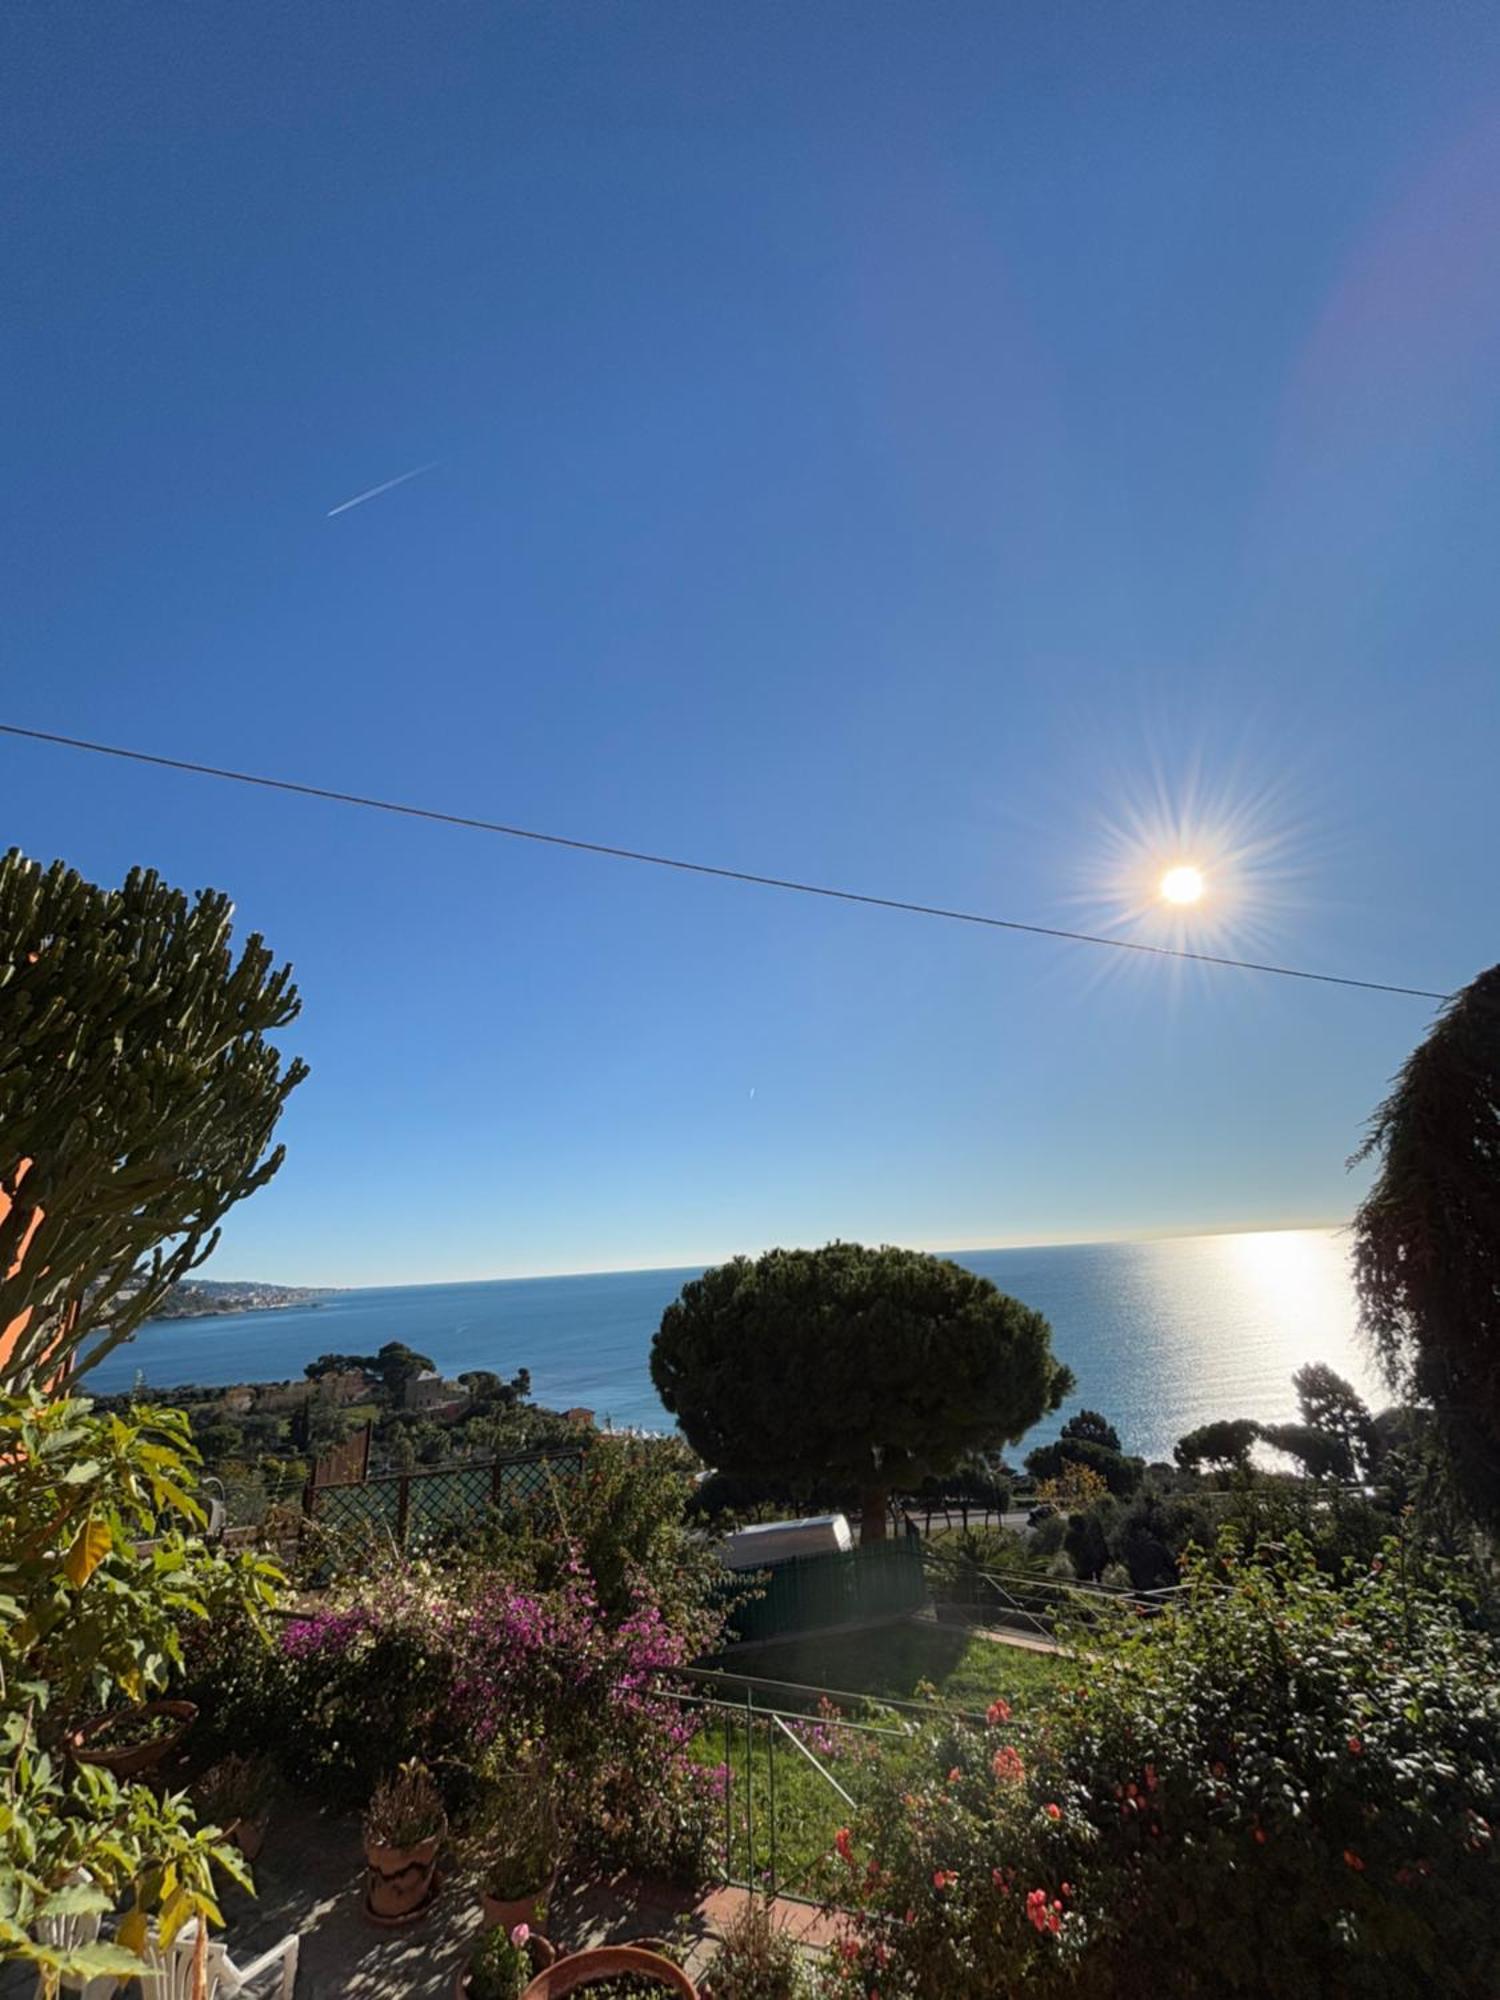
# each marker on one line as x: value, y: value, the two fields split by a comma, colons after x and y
x: 1307, y: 1723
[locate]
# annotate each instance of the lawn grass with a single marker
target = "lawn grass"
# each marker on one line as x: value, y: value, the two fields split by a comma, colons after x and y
x: 895, y: 1661
x: 906, y: 1661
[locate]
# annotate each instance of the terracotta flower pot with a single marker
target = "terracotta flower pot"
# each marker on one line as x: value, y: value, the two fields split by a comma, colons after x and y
x: 609, y: 1961
x: 401, y: 1879
x: 530, y: 1909
x: 542, y: 1953
x: 131, y: 1759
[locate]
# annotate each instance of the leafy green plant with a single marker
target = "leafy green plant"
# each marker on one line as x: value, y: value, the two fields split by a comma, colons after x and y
x: 1279, y: 1741
x: 88, y: 1623
x: 500, y: 1968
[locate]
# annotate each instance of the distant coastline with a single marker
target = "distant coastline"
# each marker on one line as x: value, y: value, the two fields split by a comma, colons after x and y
x: 202, y: 1298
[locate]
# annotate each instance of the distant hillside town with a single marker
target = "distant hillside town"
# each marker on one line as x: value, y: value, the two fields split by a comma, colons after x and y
x: 196, y: 1297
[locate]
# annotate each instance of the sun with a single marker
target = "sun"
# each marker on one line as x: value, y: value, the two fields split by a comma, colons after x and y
x: 1183, y: 884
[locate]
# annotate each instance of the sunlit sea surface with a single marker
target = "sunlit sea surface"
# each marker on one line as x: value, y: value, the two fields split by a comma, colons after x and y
x: 1162, y: 1336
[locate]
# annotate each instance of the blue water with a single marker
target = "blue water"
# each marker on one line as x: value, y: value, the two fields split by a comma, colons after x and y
x: 1162, y: 1336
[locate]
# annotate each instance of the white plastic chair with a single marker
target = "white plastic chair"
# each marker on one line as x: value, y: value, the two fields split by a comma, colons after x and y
x: 170, y: 1973
x: 67, y: 1934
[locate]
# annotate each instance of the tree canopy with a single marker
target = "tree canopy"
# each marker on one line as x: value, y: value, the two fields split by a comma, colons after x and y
x: 138, y: 1096
x: 393, y: 1367
x: 872, y: 1368
x: 1226, y: 1443
x: 1427, y: 1236
x: 1090, y: 1427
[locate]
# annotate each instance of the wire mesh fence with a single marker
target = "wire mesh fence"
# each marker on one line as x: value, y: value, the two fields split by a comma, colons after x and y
x: 411, y: 1508
x: 790, y: 1765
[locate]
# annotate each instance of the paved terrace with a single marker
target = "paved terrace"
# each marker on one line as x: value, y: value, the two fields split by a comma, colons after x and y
x: 311, y: 1880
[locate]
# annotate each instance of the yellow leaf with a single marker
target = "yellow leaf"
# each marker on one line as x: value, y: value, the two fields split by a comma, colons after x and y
x: 132, y: 1932
x: 91, y: 1545
x: 174, y: 1914
x: 173, y: 1495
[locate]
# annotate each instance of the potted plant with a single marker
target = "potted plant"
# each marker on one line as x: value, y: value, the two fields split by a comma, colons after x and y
x: 520, y: 1849
x: 236, y: 1795
x: 503, y: 1964
x: 404, y: 1827
x: 612, y: 1970
x: 130, y: 1741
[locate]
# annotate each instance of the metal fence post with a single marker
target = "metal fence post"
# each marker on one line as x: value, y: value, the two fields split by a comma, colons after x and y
x: 750, y: 1788
x: 771, y: 1749
x: 403, y: 1507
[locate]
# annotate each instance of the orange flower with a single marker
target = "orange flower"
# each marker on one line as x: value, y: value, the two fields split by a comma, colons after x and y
x: 998, y: 1711
x: 1008, y: 1766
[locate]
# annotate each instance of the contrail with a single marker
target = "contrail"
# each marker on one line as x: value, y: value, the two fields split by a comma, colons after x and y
x: 374, y: 492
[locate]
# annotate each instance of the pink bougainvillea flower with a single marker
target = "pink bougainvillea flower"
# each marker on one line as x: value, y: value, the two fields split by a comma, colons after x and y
x: 998, y: 1711
x: 1356, y: 1748
x: 1352, y: 1860
x: 1054, y: 1812
x: 943, y: 1878
x: 954, y: 1775
x: 1260, y: 1836
x: 520, y: 1934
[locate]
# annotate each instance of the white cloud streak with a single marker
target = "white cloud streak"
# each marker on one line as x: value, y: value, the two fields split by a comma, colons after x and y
x: 374, y: 492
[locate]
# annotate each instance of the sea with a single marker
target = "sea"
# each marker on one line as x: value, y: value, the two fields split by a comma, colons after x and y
x: 1161, y: 1335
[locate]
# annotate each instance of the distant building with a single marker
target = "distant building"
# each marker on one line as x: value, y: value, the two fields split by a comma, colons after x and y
x: 274, y: 1397
x: 351, y: 1385
x: 429, y: 1392
x: 239, y: 1402
x: 584, y: 1419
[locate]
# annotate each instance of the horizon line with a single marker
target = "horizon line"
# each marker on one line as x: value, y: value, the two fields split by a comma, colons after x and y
x: 708, y: 1263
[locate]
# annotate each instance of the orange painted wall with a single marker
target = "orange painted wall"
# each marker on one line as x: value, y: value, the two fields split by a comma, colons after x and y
x: 11, y: 1334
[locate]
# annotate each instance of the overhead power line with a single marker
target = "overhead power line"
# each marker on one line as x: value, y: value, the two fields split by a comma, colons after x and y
x: 707, y: 868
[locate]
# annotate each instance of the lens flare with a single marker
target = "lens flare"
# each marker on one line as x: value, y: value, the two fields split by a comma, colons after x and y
x: 1182, y: 884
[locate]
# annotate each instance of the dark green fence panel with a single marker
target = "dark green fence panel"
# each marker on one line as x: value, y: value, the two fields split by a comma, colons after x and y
x: 812, y: 1593
x: 414, y: 1506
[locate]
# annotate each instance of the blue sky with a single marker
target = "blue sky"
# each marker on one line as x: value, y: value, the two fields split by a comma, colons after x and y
x: 979, y: 454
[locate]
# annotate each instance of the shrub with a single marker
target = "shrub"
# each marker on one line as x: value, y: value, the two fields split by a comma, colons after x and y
x: 1273, y: 1744
x: 467, y: 1671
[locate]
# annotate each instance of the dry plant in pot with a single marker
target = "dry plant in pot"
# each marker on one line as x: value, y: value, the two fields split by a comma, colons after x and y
x: 405, y: 1822
x: 520, y: 1847
x: 236, y: 1794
